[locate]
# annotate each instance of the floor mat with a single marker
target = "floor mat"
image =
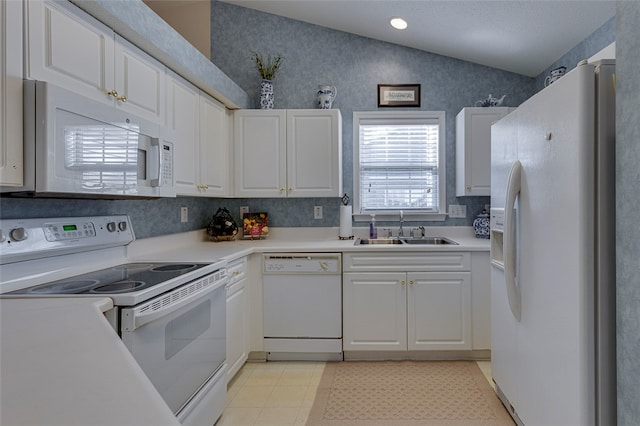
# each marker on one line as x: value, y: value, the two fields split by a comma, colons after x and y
x: 399, y: 393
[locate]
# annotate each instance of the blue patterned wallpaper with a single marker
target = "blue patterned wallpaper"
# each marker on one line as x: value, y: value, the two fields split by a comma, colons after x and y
x: 315, y: 55
x: 355, y: 65
x: 628, y: 206
x: 601, y: 38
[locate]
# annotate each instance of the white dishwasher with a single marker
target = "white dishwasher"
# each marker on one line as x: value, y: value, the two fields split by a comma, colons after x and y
x: 302, y: 303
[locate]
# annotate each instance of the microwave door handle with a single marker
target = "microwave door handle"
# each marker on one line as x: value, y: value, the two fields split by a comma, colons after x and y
x: 154, y: 162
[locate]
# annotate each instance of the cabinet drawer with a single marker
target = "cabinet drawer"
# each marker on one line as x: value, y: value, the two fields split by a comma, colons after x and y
x: 407, y: 261
x: 237, y: 270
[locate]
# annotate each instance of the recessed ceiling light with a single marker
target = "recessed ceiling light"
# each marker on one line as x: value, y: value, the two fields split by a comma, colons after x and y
x: 398, y: 23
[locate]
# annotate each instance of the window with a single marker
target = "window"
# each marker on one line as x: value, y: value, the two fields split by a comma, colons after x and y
x: 399, y: 163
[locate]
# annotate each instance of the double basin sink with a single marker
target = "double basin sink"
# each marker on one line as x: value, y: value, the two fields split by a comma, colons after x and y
x: 405, y: 240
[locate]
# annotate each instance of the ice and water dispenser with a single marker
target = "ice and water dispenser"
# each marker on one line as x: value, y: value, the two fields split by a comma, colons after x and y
x: 497, y: 237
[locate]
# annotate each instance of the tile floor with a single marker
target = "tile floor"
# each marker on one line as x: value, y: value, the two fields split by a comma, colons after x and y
x: 279, y: 393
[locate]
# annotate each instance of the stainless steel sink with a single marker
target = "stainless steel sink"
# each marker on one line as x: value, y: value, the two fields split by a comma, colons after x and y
x: 364, y: 241
x: 428, y: 240
x: 405, y: 240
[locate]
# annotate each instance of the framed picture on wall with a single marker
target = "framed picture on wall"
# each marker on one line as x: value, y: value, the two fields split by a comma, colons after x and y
x: 398, y: 95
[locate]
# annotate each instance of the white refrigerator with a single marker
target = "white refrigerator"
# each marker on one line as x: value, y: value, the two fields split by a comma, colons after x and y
x: 553, y: 253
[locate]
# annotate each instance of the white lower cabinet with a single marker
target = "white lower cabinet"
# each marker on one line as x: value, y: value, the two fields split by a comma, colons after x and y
x: 237, y: 317
x: 407, y: 301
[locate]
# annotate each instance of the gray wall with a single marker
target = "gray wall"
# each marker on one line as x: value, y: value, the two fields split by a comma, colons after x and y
x: 315, y: 55
x: 628, y: 206
x: 355, y: 65
x: 602, y: 37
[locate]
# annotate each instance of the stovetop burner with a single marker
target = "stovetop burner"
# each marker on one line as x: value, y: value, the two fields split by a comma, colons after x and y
x: 119, y: 287
x: 64, y: 287
x: 125, y: 278
x: 174, y: 267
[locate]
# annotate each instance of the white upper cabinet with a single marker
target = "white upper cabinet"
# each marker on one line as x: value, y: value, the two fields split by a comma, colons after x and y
x: 140, y: 79
x: 214, y: 147
x: 11, y: 160
x: 183, y: 102
x: 201, y: 162
x: 473, y: 149
x: 288, y: 153
x: 69, y: 48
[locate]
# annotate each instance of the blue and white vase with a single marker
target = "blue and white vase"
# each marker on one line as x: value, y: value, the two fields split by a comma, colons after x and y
x: 481, y: 225
x: 266, y: 94
x: 325, y: 96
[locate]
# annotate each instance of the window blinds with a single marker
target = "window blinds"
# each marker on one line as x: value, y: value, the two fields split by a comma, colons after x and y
x: 399, y: 166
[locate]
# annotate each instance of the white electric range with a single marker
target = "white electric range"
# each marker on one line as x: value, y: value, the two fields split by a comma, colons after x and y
x: 171, y: 316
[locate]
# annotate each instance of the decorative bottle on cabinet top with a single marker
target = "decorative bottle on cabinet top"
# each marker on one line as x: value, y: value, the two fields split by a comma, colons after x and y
x: 481, y: 225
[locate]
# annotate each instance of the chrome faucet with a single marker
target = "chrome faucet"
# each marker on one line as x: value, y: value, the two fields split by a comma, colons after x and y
x: 401, y: 230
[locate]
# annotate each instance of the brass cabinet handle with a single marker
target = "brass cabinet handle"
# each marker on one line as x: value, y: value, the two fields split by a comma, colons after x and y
x: 114, y: 93
x: 402, y: 282
x: 411, y: 282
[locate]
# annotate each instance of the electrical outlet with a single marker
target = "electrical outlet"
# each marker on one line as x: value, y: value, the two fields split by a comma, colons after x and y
x: 243, y: 210
x: 184, y: 214
x: 456, y: 210
x: 317, y: 212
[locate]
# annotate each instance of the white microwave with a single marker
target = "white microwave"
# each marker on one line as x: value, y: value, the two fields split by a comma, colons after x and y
x: 78, y: 147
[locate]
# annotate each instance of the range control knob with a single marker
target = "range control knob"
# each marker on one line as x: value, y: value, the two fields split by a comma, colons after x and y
x: 122, y: 226
x: 2, y: 237
x: 111, y: 226
x: 18, y: 234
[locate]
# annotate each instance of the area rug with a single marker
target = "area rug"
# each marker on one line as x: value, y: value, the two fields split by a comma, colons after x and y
x: 406, y: 393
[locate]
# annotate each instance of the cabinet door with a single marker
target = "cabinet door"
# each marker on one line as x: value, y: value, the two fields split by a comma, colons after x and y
x: 11, y: 160
x: 260, y: 153
x: 69, y: 49
x: 214, y: 148
x: 141, y: 80
x: 439, y: 310
x: 314, y: 153
x: 183, y: 103
x: 374, y: 311
x: 481, y: 300
x: 473, y: 149
x: 237, y: 328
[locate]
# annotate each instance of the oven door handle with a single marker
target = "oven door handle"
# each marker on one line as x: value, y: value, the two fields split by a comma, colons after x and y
x: 133, y: 318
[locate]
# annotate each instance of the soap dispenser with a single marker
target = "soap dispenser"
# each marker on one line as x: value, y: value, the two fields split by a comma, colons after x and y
x: 373, y: 231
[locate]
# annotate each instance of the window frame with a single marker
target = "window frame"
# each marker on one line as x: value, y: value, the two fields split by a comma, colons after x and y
x: 390, y: 116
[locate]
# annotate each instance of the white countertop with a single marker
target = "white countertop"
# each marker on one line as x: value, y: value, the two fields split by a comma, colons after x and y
x: 62, y: 364
x: 195, y: 246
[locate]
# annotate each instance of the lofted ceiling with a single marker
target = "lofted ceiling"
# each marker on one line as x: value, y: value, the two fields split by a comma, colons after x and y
x: 521, y: 36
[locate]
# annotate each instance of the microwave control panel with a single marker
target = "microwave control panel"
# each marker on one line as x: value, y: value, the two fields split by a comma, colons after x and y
x: 166, y: 151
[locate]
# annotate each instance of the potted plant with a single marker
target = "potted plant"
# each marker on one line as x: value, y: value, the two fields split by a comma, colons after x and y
x: 267, y: 68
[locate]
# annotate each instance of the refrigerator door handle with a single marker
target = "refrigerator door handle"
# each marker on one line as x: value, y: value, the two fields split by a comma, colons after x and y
x: 510, y: 256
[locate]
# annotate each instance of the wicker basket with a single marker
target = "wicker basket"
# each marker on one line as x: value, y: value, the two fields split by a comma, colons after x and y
x: 222, y: 238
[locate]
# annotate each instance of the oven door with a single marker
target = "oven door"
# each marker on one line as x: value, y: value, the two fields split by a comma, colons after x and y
x: 179, y: 338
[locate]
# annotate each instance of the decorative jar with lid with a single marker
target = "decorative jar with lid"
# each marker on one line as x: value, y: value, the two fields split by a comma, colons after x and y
x: 481, y: 225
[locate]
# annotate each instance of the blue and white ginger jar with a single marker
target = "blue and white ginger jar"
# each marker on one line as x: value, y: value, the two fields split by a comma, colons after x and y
x: 481, y: 225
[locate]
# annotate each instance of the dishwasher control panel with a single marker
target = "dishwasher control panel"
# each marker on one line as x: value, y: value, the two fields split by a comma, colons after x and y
x: 305, y: 263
